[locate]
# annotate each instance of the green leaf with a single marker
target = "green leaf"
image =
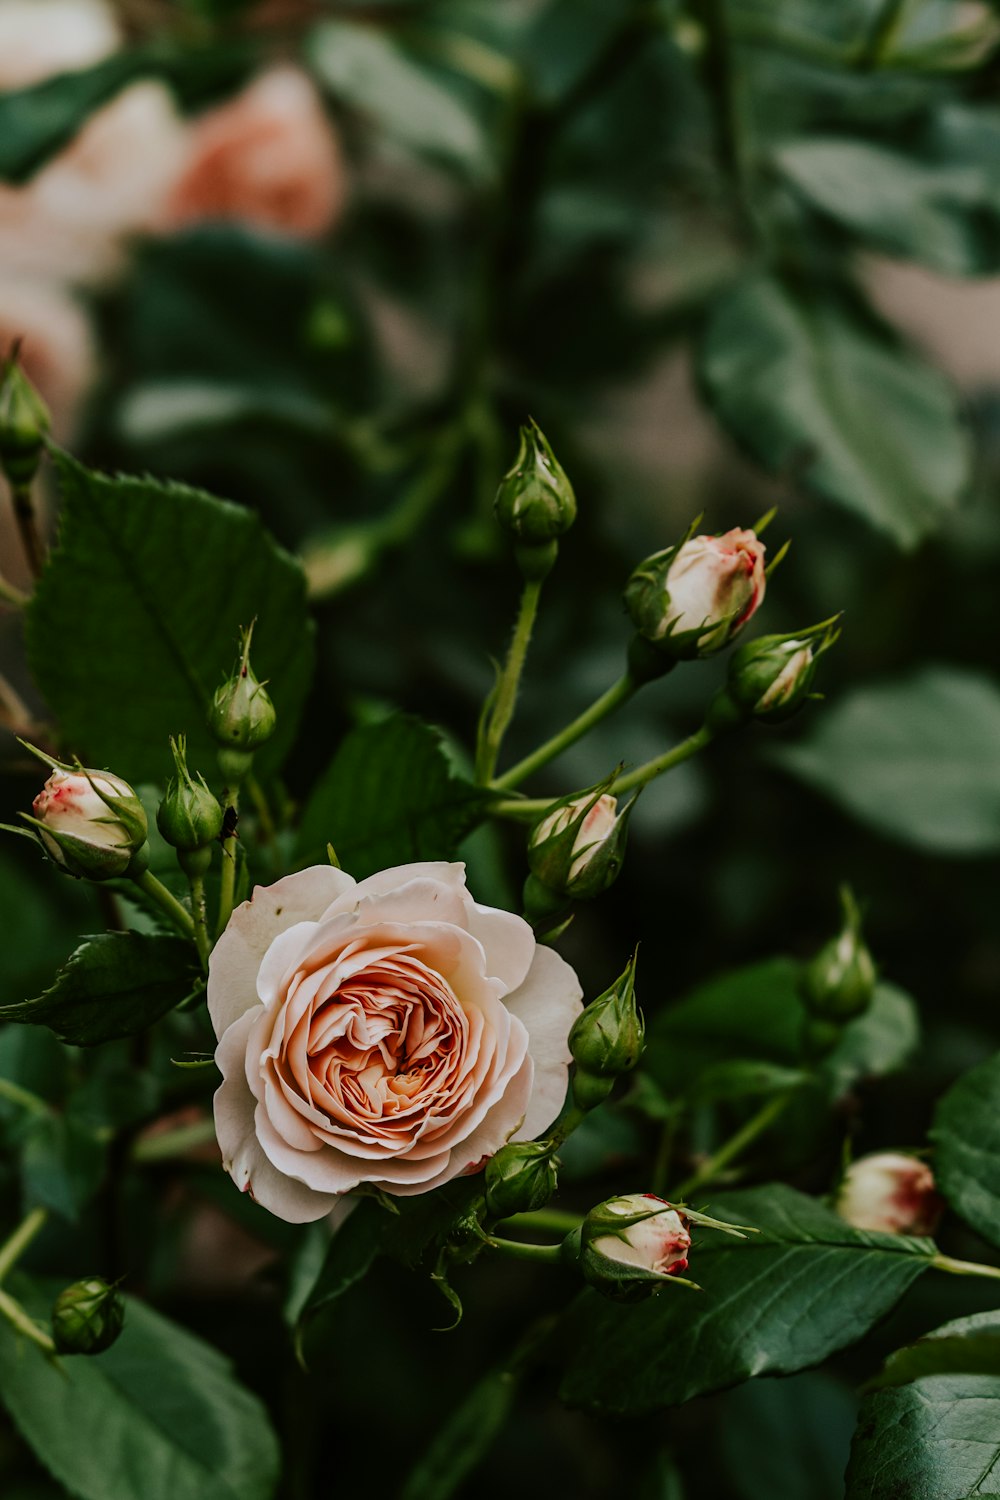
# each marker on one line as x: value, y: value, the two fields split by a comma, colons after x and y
x: 915, y: 758
x: 779, y: 1301
x: 366, y: 69
x: 966, y: 1132
x: 113, y: 985
x: 158, y: 1416
x: 62, y: 1163
x: 808, y: 386
x: 177, y: 573
x: 788, y: 1439
x: 37, y: 121
x: 878, y: 1043
x: 389, y: 797
x: 462, y: 1443
x: 935, y: 1439
x: 969, y: 1346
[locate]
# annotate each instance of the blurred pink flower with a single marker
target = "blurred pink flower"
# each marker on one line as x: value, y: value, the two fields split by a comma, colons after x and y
x: 269, y: 158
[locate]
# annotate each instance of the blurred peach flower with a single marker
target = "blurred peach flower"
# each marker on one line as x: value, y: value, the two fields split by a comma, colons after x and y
x: 269, y: 158
x: 41, y: 37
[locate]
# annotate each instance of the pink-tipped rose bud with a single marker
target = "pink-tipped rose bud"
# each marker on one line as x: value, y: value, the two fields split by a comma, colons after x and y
x: 628, y: 1247
x: 690, y: 600
x: 890, y: 1192
x: 90, y: 822
x: 594, y: 823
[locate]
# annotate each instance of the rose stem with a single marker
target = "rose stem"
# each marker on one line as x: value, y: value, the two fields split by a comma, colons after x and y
x: 964, y: 1267
x: 27, y: 525
x: 157, y: 891
x: 734, y: 1147
x: 546, y: 1221
x: 200, y: 914
x: 10, y: 1253
x: 516, y: 1250
x: 171, y: 1143
x: 227, y: 884
x: 500, y: 709
x: 619, y: 692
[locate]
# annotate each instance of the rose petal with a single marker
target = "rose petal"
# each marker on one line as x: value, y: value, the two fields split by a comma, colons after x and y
x: 271, y: 910
x: 548, y: 1003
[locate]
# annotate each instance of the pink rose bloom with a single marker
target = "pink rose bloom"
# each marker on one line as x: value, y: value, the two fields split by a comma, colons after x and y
x: 892, y: 1193
x: 56, y: 345
x: 390, y: 1032
x: 269, y: 158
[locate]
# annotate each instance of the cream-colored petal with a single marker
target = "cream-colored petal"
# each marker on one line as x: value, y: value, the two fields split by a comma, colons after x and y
x: 508, y: 942
x: 548, y: 1002
x: 271, y: 910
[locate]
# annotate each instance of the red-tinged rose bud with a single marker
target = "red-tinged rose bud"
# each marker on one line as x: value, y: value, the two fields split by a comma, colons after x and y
x: 692, y: 599
x: 838, y: 984
x: 87, y: 1317
x: 520, y: 1178
x: 892, y: 1193
x: 629, y: 1247
x: 89, y: 822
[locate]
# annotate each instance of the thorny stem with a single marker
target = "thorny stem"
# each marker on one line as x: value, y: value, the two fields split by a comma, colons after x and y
x: 497, y: 718
x: 177, y: 1142
x: 734, y: 1147
x: 200, y: 914
x: 157, y: 891
x: 516, y: 1250
x: 964, y: 1267
x: 227, y: 883
x: 546, y: 1221
x: 616, y: 695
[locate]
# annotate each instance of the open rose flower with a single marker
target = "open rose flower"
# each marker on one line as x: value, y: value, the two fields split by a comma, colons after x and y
x: 389, y: 1031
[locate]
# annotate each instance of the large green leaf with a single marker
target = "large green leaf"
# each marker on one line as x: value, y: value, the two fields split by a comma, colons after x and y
x: 969, y: 1346
x: 938, y: 1439
x: 915, y: 758
x: 388, y: 797
x: 367, y: 69
x: 114, y: 985
x: 37, y: 121
x: 782, y: 1300
x: 810, y: 387
x: 966, y: 1132
x: 158, y: 1416
x: 136, y: 618
x: 788, y: 1439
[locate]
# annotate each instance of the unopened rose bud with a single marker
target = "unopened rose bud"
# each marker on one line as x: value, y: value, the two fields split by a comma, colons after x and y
x: 520, y: 1178
x: 692, y: 599
x: 535, y: 503
x: 87, y: 1317
x: 190, y: 816
x: 770, y: 679
x: 838, y: 984
x: 628, y: 1247
x: 89, y: 822
x: 577, y: 849
x: 892, y: 1193
x: 607, y: 1038
x: 24, y: 422
x: 242, y: 716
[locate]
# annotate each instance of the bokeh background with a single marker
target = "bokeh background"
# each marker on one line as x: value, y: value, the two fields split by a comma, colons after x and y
x: 321, y: 260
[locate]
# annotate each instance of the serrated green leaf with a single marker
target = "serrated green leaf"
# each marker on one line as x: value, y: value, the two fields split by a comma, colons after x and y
x: 177, y: 574
x: 158, y: 1416
x: 969, y: 1346
x: 934, y: 1439
x: 966, y: 1133
x: 115, y: 984
x: 808, y: 387
x: 388, y: 797
x: 914, y: 757
x: 782, y: 1300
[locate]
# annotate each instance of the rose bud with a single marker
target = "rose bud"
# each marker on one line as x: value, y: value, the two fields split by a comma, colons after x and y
x: 190, y: 816
x: 607, y: 1040
x: 837, y: 985
x: 577, y: 848
x: 24, y: 422
x: 769, y: 679
x: 521, y: 1177
x: 87, y: 1317
x: 535, y: 503
x: 692, y: 599
x: 892, y: 1193
x: 90, y: 822
x: 241, y: 717
x: 628, y: 1247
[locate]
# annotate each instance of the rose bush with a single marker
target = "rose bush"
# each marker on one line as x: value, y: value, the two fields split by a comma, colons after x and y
x: 390, y: 1032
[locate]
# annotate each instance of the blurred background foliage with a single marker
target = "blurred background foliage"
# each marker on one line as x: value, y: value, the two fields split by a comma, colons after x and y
x: 729, y: 253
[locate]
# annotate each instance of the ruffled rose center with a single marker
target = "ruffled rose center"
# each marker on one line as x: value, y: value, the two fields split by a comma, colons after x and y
x: 385, y: 1054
